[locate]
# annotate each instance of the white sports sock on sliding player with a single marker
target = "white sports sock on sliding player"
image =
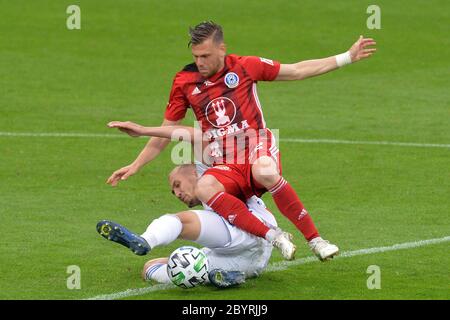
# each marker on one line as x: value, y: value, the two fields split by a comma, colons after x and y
x: 163, y: 230
x: 157, y: 272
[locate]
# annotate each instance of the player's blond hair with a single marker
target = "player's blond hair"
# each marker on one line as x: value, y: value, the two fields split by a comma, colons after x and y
x: 205, y: 30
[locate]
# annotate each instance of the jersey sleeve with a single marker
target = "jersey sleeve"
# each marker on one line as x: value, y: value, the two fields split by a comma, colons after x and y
x: 261, y: 69
x: 178, y: 104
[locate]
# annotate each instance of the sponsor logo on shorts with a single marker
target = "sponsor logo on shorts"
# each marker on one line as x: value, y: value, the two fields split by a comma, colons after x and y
x: 225, y: 168
x: 259, y: 146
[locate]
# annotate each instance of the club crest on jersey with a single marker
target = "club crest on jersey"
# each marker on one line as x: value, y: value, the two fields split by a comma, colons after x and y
x: 231, y: 80
x: 220, y: 112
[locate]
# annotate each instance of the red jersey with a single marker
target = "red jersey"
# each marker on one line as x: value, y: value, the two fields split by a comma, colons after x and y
x: 226, y: 103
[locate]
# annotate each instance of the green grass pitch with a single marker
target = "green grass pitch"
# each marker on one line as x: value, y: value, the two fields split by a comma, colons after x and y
x: 120, y: 66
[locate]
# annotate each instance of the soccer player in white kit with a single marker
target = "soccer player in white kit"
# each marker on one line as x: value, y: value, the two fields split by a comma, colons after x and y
x: 228, y: 248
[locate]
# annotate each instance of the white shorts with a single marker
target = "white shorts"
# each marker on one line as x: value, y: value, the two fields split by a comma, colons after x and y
x: 230, y: 248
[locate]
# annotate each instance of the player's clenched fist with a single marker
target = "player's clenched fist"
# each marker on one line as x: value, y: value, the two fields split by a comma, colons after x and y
x: 121, y: 174
x: 359, y: 49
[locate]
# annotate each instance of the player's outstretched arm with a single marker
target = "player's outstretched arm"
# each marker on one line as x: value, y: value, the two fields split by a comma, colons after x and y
x: 310, y: 68
x: 152, y: 149
x: 176, y: 132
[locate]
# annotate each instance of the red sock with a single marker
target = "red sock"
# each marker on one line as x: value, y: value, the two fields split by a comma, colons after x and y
x: 237, y: 213
x: 292, y: 208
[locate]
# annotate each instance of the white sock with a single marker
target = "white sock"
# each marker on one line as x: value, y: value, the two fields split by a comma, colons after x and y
x: 271, y: 235
x: 157, y: 272
x: 163, y: 230
x: 314, y: 241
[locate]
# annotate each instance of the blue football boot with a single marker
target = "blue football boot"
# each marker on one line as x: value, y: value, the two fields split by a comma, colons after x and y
x: 117, y: 233
x: 225, y: 279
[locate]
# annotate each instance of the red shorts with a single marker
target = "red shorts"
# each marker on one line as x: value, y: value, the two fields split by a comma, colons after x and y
x: 237, y: 178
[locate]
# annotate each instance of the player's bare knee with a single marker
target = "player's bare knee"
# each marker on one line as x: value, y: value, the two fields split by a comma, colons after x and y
x: 186, y: 216
x: 265, y: 171
x: 191, y: 225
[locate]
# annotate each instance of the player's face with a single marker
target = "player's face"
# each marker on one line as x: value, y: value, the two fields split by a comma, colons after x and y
x: 183, y: 187
x: 209, y: 57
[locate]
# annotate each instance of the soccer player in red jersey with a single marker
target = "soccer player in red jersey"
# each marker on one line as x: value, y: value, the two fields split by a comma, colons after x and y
x: 221, y: 91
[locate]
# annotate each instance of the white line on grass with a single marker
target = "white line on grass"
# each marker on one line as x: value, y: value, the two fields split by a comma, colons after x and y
x: 294, y: 140
x: 61, y: 135
x: 280, y: 266
x: 387, y: 143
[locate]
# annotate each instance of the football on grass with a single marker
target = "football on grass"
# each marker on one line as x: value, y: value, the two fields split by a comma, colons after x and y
x: 188, y: 267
